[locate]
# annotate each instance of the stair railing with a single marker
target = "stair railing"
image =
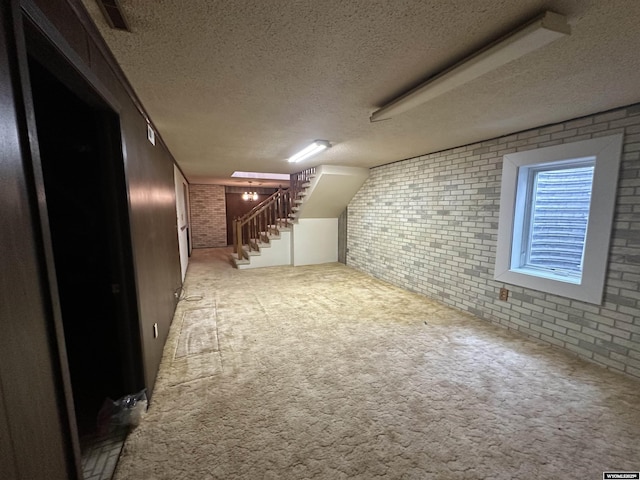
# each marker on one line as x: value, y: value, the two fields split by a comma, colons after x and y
x: 268, y: 217
x: 297, y: 180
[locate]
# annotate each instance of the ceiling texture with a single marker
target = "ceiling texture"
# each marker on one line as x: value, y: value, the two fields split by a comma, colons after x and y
x: 244, y: 84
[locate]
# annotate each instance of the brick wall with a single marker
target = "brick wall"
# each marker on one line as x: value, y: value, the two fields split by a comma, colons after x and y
x: 208, y: 216
x: 429, y: 224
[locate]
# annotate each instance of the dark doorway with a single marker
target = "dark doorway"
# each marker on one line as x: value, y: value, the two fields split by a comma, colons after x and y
x: 80, y: 152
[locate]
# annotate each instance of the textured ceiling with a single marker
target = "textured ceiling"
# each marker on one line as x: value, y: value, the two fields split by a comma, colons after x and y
x: 244, y: 84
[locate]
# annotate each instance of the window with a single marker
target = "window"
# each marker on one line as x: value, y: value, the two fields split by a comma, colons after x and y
x: 556, y: 211
x: 553, y: 202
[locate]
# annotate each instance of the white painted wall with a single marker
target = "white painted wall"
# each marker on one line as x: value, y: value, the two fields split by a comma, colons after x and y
x: 279, y: 253
x: 315, y: 240
x: 331, y: 190
x: 182, y: 212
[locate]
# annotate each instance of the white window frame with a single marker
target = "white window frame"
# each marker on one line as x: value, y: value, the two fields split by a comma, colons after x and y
x: 607, y: 152
x: 524, y: 209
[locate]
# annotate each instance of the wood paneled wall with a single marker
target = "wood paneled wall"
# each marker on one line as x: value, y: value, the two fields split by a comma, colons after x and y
x: 38, y: 441
x: 148, y: 170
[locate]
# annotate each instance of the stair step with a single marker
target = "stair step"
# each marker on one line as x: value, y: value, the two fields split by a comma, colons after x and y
x: 250, y: 253
x: 286, y: 227
x: 261, y: 244
x: 237, y: 261
x: 255, y: 247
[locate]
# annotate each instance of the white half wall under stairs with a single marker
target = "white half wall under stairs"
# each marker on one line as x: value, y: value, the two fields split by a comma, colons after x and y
x: 315, y: 241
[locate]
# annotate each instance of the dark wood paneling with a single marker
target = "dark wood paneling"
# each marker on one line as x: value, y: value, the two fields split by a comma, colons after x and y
x: 151, y: 192
x: 148, y: 173
x: 31, y: 383
x: 102, y: 70
x: 63, y: 18
x: 236, y: 207
x: 7, y: 457
x: 38, y: 440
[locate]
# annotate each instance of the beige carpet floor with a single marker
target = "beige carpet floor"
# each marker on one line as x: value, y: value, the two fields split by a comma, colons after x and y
x: 322, y: 372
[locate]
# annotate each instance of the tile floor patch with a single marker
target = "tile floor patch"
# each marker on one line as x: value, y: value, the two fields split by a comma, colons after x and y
x: 100, y: 455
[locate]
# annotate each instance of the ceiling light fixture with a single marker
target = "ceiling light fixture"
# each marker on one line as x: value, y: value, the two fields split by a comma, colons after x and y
x: 313, y: 149
x: 539, y: 32
x: 246, y: 196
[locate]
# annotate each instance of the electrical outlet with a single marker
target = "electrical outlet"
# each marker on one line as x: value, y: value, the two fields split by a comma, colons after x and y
x: 504, y: 294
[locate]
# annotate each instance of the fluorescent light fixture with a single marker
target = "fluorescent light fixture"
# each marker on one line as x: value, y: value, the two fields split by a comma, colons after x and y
x: 261, y: 176
x: 313, y: 149
x: 534, y: 35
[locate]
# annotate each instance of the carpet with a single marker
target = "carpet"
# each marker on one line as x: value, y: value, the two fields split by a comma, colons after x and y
x: 322, y: 372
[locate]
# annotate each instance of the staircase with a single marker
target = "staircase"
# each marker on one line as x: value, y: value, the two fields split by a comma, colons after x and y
x: 270, y: 220
x: 297, y: 225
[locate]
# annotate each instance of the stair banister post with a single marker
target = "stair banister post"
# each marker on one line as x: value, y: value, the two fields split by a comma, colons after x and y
x: 261, y: 227
x: 253, y: 229
x: 239, y: 240
x: 279, y: 214
x: 270, y: 216
x: 258, y: 226
x: 234, y: 232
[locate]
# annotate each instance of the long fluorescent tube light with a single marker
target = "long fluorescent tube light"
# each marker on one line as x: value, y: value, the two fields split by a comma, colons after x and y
x: 313, y: 149
x: 534, y: 35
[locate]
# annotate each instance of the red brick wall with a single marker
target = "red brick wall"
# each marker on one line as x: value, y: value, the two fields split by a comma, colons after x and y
x: 208, y: 216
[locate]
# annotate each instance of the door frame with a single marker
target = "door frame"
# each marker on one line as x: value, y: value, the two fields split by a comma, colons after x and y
x: 36, y: 36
